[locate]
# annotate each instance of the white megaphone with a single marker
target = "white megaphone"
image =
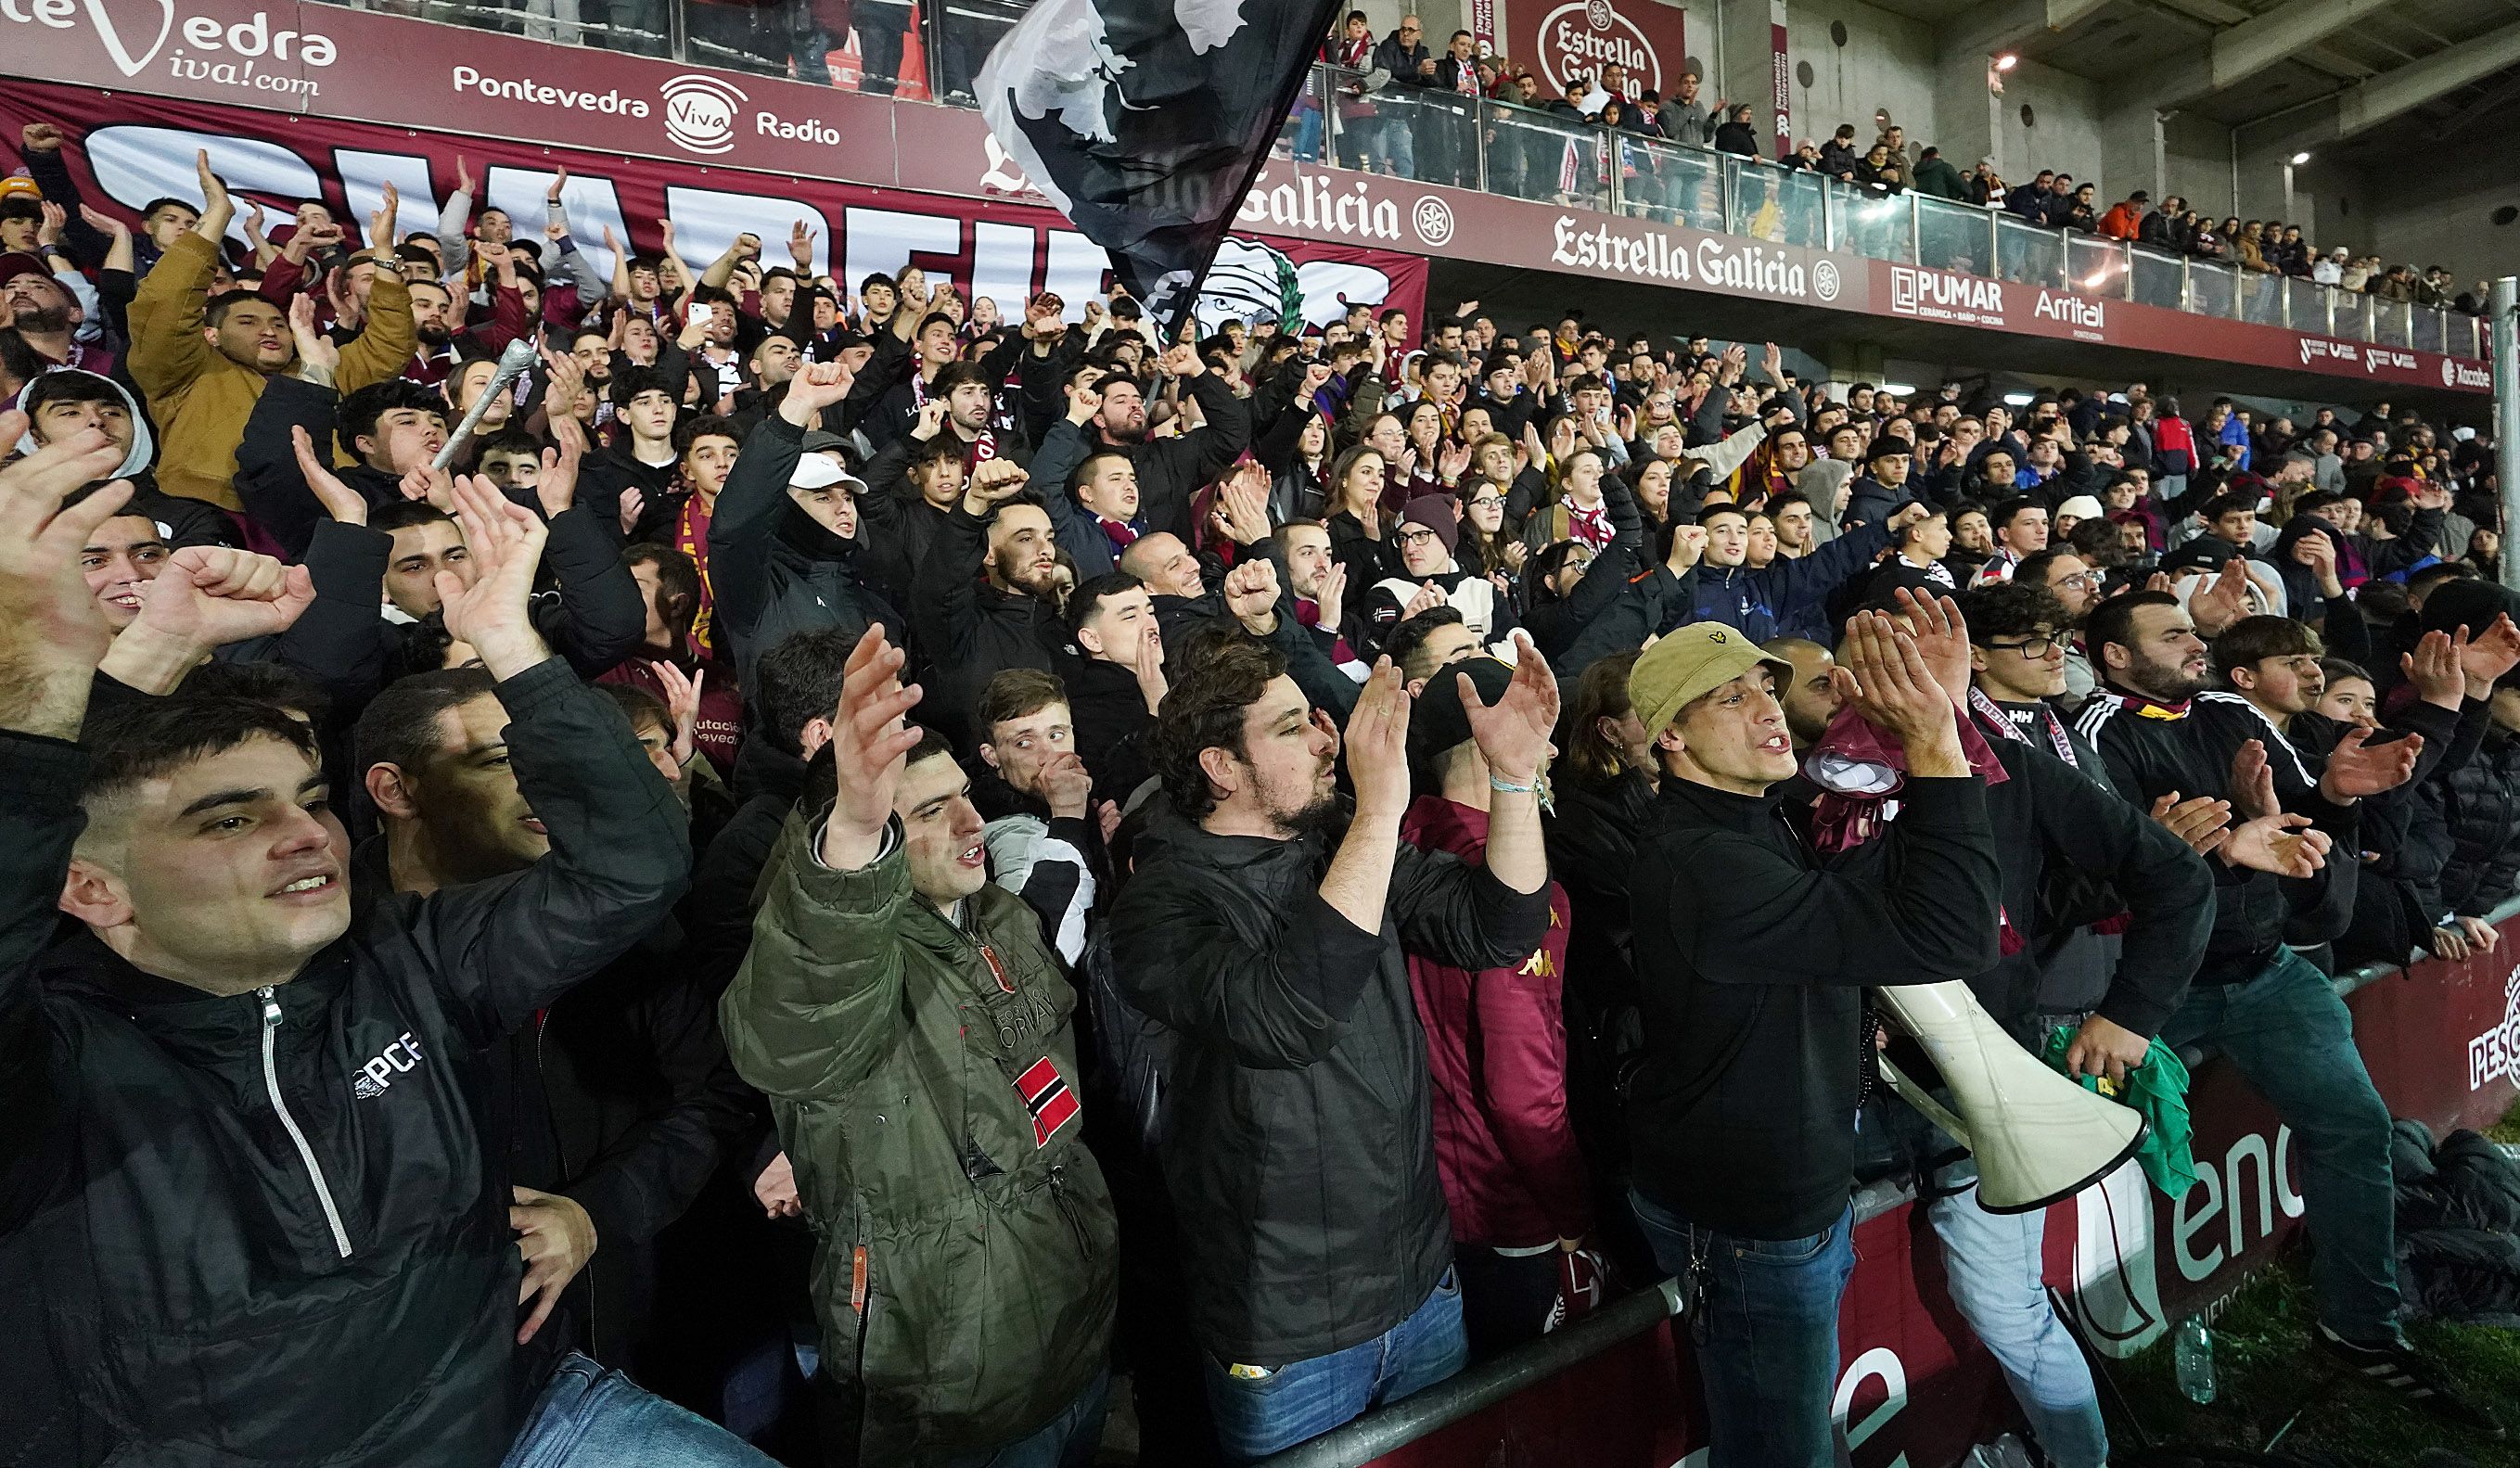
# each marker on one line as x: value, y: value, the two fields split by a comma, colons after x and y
x: 2038, y: 1137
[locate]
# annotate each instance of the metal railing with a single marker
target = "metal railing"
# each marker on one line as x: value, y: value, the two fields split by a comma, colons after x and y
x: 1506, y: 148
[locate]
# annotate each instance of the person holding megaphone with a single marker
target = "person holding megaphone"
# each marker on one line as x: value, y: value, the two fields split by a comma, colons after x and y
x: 1754, y: 954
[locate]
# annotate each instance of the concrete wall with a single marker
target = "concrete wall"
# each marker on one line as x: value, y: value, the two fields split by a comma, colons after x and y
x: 1887, y: 62
x: 2404, y: 221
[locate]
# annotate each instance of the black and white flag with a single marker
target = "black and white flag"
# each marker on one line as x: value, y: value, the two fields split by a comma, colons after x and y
x: 1144, y: 121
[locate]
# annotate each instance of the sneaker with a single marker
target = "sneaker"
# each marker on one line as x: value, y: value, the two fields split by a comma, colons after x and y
x: 2397, y: 1367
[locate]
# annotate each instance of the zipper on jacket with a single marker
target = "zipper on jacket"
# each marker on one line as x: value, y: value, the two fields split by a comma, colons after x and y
x: 1068, y: 1209
x: 305, y: 1153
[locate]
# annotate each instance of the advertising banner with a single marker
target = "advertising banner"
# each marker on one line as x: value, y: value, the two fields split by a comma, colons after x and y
x: 1560, y: 39
x: 132, y: 149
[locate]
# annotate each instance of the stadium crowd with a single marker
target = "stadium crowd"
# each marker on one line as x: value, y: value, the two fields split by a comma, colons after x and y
x: 1420, y: 130
x: 871, y: 863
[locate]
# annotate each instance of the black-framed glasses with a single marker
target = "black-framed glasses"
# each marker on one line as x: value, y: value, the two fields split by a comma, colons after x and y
x: 1485, y: 501
x: 2032, y: 647
x: 1415, y: 537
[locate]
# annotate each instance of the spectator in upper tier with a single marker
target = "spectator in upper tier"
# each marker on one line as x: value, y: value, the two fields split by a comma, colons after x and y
x: 1936, y: 176
x: 1736, y: 134
x: 2125, y: 218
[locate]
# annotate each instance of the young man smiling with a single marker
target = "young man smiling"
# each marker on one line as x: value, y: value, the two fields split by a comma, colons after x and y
x: 221, y: 953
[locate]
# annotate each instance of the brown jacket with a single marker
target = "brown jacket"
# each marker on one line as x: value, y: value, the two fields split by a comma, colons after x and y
x: 200, y: 397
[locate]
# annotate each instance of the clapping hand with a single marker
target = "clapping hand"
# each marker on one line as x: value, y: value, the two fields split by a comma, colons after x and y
x: 682, y: 702
x: 2357, y: 767
x: 1942, y: 638
x: 1376, y: 742
x: 1512, y: 733
x: 339, y: 501
x: 505, y: 539
x: 2202, y: 821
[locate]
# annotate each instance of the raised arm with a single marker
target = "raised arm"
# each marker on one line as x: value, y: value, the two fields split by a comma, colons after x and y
x: 817, y: 1005
x: 620, y: 842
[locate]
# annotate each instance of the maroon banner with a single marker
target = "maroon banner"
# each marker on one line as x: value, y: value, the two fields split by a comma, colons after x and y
x: 1941, y: 296
x: 132, y: 149
x: 1560, y: 39
x: 2442, y: 1041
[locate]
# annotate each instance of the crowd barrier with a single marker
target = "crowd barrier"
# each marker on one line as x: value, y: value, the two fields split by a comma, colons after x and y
x: 1616, y: 1389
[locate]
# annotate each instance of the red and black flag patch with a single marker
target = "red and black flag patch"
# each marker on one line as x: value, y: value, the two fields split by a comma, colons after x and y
x: 1046, y: 1094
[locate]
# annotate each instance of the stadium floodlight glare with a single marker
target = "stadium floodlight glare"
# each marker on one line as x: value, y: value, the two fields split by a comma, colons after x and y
x: 2007, y: 62
x: 2018, y: 399
x: 2300, y: 158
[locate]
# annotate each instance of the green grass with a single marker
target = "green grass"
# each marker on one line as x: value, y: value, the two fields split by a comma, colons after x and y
x: 2266, y: 1370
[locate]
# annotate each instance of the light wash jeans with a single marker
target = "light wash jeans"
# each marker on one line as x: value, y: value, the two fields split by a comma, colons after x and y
x: 591, y: 1417
x: 1996, y: 1279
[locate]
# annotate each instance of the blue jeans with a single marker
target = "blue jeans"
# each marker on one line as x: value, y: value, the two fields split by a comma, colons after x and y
x: 591, y: 1417
x: 1256, y: 1416
x: 2291, y: 1037
x: 1764, y: 1322
x: 1993, y: 1260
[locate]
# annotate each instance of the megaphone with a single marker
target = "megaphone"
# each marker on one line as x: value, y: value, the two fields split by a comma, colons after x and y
x: 2038, y: 1137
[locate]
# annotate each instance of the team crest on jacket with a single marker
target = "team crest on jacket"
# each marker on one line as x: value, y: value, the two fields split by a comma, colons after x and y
x: 1046, y: 1096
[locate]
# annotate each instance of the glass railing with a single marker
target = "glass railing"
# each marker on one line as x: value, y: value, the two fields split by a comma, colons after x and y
x: 932, y: 52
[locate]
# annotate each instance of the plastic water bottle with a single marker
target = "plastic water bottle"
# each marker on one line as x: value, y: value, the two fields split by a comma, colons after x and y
x: 2192, y: 1352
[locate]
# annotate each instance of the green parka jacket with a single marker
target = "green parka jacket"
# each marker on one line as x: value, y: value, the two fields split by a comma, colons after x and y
x: 924, y: 1077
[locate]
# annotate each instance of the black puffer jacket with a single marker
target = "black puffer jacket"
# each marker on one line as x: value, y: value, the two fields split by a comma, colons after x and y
x: 232, y: 1294
x: 1298, y: 1143
x: 774, y: 572
x: 2479, y: 802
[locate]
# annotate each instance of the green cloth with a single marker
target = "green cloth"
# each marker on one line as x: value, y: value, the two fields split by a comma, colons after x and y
x: 2158, y: 1088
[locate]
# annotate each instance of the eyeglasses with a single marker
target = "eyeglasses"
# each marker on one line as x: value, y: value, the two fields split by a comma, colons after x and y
x: 1415, y: 537
x: 1485, y: 502
x: 2032, y: 647
x: 2080, y: 580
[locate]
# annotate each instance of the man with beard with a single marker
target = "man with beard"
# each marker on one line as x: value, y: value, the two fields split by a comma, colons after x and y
x: 1267, y: 928
x: 433, y: 329
x: 204, y: 361
x: 1106, y: 411
x: 2276, y: 1018
x: 1810, y: 694
x: 987, y: 594
x: 47, y: 315
x: 935, y: 350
